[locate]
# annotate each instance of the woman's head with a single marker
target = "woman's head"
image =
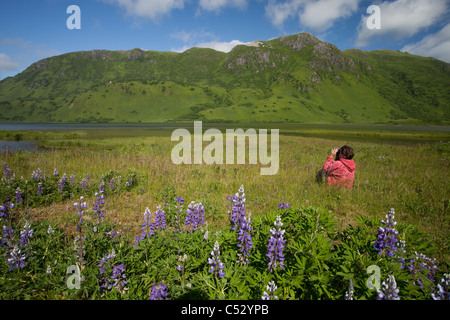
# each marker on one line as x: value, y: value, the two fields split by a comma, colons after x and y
x: 345, y: 152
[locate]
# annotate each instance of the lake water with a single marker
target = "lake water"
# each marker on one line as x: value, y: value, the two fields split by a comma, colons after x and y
x: 7, y: 146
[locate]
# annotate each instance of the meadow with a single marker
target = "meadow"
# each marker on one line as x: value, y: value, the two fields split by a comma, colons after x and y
x: 322, y: 248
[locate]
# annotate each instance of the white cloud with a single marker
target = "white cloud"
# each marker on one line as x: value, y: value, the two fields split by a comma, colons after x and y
x: 402, y: 19
x: 152, y: 9
x: 216, y: 45
x: 318, y: 15
x: 7, y: 64
x: 217, y: 5
x: 435, y: 45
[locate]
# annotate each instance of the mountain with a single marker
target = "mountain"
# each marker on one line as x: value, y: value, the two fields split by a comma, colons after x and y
x: 294, y: 78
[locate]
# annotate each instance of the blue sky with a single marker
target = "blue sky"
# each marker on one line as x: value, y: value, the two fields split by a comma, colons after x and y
x: 37, y: 29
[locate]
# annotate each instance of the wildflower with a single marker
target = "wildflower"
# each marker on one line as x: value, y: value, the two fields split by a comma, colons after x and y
x: 129, y: 182
x: 237, y: 212
x: 26, y: 234
x: 159, y: 292
x: 180, y: 200
x: 80, y: 212
x: 55, y: 173
x: 62, y: 183
x: 160, y: 218
x: 276, y: 246
x: 50, y: 230
x: 19, y: 198
x: 245, y: 239
x: 195, y: 215
x: 16, y: 260
x: 216, y: 265
x: 283, y: 205
x: 36, y: 175
x: 49, y: 269
x: 148, y: 227
x: 386, y: 238
x: 389, y: 290
x: 442, y: 293
x: 84, y: 184
x: 206, y: 235
x: 419, y: 265
x: 40, y: 188
x: 111, y: 183
x: 72, y: 180
x: 118, y: 278
x: 349, y: 293
x: 271, y: 288
x: 104, y: 266
x: 6, y: 170
x: 98, y: 205
x: 8, y: 237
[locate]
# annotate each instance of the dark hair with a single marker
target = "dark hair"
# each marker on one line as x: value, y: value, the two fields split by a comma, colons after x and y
x: 345, y: 152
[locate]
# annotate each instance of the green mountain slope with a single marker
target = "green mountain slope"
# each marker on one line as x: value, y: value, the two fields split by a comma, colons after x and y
x: 290, y: 79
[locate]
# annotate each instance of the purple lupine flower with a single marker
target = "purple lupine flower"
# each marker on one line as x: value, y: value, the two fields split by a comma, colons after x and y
x: 8, y: 237
x: 237, y: 212
x: 159, y: 291
x: 283, y: 205
x: 7, y: 171
x: 80, y: 211
x: 160, y: 218
x: 55, y: 172
x: 389, y: 290
x: 195, y: 216
x: 216, y: 265
x: 147, y: 227
x: 119, y: 278
x: 84, y: 184
x: 271, y: 288
x: 16, y: 259
x: 112, y: 183
x: 40, y: 189
x: 245, y: 239
x: 72, y: 179
x: 419, y: 265
x: 386, y: 238
x: 19, y: 198
x: 104, y: 267
x: 26, y: 234
x: 4, y: 210
x: 443, y: 286
x: 180, y: 200
x: 98, y: 205
x: 36, y: 175
x: 62, y: 183
x: 129, y: 182
x: 276, y: 246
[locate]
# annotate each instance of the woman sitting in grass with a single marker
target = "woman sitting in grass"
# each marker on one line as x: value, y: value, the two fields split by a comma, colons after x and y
x: 340, y: 171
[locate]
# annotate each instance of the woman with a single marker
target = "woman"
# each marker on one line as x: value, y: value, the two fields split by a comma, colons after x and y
x: 339, y: 172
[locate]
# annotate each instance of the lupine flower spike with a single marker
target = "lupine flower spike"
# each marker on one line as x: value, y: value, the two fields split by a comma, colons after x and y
x: 386, y: 238
x: 216, y: 265
x: 276, y: 246
x: 159, y: 292
x: 443, y: 286
x: 271, y: 288
x: 389, y: 290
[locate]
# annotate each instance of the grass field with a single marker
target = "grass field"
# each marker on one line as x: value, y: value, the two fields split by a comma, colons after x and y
x: 406, y: 170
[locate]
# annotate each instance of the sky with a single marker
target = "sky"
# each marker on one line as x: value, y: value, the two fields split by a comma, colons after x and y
x: 31, y: 30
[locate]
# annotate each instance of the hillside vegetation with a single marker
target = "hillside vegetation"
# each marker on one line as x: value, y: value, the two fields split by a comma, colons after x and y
x: 294, y: 78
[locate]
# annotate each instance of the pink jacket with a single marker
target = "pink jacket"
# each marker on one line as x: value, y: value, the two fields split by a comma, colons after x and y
x: 340, y: 172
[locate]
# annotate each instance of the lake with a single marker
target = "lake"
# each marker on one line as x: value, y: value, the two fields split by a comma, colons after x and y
x: 13, y: 146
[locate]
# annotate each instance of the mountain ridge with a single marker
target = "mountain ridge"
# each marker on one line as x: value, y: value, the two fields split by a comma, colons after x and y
x: 295, y: 78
